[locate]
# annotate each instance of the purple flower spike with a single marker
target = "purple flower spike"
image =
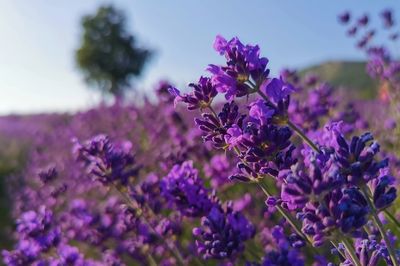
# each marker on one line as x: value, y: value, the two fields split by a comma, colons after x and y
x: 184, y: 189
x: 222, y: 234
x: 387, y: 17
x: 201, y: 97
x: 244, y: 68
x: 363, y: 20
x: 106, y: 162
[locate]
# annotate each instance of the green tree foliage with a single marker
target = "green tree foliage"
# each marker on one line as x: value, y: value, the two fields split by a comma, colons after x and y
x: 109, y: 55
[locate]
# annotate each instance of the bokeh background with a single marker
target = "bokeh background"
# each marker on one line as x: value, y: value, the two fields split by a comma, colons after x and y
x: 38, y: 71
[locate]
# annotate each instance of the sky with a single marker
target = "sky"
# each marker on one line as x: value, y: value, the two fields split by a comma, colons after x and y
x: 38, y: 39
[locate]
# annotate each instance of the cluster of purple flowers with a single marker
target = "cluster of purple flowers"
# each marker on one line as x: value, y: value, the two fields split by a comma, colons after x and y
x: 223, y: 233
x: 105, y: 162
x: 334, y: 189
x: 184, y: 188
x: 313, y: 190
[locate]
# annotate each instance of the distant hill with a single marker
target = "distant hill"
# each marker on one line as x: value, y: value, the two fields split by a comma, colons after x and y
x: 350, y: 75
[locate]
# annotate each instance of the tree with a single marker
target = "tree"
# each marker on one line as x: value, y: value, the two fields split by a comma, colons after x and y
x: 109, y: 56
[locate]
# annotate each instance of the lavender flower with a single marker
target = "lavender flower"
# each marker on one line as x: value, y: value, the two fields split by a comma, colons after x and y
x: 387, y: 17
x: 384, y: 193
x: 347, y: 210
x: 222, y: 234
x: 277, y: 89
x: 344, y: 18
x: 106, y: 162
x: 363, y: 20
x: 184, y: 188
x: 357, y: 160
x: 283, y: 253
x: 201, y: 97
x: 311, y: 182
x: 48, y: 175
x: 215, y: 128
x: 244, y: 64
x: 218, y: 170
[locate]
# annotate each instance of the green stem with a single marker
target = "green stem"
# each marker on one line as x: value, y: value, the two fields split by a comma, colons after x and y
x: 213, y: 111
x: 151, y: 260
x: 379, y: 224
x: 350, y: 250
x: 387, y: 213
x: 302, y: 136
x: 392, y: 219
x: 286, y: 215
x: 337, y: 248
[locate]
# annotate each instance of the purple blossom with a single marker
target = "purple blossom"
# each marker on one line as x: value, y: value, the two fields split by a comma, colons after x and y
x: 357, y: 160
x: 347, y: 210
x: 260, y: 111
x: 222, y: 234
x: 48, y: 175
x: 363, y: 20
x: 244, y: 65
x: 352, y: 31
x: 387, y: 18
x: 215, y: 128
x: 201, y: 97
x: 106, y: 162
x: 234, y: 136
x: 276, y: 89
x: 184, y: 188
x: 218, y: 170
x: 344, y: 18
x: 384, y: 193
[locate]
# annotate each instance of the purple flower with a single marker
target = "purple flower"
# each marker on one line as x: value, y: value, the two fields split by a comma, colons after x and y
x: 215, y: 128
x: 370, y: 252
x: 387, y: 17
x: 26, y: 253
x: 311, y: 181
x: 220, y: 45
x: 234, y: 136
x: 260, y: 111
x: 231, y: 85
x: 384, y: 193
x: 281, y: 249
x: 218, y: 169
x: 276, y: 89
x: 244, y: 65
x: 48, y: 175
x: 222, y: 234
x: 34, y: 223
x: 70, y: 255
x: 363, y: 20
x: 357, y: 160
x: 344, y: 18
x: 184, y: 188
x: 105, y: 161
x: 352, y: 31
x: 347, y: 210
x: 201, y: 97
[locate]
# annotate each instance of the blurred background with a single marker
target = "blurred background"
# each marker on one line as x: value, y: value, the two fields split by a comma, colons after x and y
x: 39, y: 73
x: 69, y: 56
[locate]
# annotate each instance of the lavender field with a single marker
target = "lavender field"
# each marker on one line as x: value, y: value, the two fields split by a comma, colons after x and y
x: 239, y: 167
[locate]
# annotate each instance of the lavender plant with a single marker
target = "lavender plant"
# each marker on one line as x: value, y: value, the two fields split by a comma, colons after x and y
x: 277, y: 173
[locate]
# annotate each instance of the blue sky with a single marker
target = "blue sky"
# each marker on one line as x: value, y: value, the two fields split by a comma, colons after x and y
x: 38, y: 39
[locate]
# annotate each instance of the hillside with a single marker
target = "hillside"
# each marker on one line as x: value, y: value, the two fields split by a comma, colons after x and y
x: 350, y: 75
